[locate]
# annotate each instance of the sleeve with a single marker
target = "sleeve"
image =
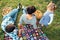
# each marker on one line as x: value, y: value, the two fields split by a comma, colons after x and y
x: 51, y: 19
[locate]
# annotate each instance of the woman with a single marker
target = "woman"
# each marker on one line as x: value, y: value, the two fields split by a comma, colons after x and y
x: 28, y: 18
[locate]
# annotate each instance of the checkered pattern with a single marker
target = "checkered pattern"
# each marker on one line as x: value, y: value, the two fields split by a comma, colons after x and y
x: 11, y: 36
x: 6, y: 37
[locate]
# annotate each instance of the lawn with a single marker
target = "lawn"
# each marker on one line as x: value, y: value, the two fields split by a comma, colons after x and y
x: 53, y: 30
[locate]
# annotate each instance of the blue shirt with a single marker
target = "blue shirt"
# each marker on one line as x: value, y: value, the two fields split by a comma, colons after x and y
x: 47, y: 18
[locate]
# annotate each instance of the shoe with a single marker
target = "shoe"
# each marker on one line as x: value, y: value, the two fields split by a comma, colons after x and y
x: 19, y: 6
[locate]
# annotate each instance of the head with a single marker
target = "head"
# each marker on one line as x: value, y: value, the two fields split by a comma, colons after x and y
x: 31, y: 9
x: 38, y: 14
x: 51, y: 6
x: 6, y: 10
x: 9, y: 28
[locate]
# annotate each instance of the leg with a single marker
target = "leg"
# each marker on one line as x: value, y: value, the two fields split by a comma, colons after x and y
x: 13, y: 14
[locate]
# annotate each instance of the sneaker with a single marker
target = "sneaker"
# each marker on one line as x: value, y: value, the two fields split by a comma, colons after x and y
x: 19, y: 6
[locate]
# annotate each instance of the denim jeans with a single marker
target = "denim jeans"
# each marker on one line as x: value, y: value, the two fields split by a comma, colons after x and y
x: 13, y: 14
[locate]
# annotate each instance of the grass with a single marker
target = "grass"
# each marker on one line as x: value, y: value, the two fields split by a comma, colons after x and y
x: 53, y: 30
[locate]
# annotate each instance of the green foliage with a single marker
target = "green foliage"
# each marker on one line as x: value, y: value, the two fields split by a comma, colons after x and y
x: 52, y: 31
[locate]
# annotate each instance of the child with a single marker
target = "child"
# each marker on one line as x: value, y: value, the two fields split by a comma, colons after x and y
x: 48, y: 15
x: 9, y: 17
x: 28, y: 18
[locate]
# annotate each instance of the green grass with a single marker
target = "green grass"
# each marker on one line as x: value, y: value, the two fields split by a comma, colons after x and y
x: 53, y: 30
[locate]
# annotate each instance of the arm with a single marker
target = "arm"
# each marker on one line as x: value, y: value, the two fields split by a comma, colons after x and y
x: 20, y: 26
x: 51, y: 19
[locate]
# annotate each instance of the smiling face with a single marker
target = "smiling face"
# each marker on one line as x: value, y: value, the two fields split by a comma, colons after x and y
x: 6, y: 10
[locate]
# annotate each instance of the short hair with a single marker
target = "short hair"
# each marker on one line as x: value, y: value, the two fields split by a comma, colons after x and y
x: 9, y: 28
x: 31, y: 9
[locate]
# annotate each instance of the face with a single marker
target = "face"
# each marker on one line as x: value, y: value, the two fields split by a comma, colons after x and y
x: 51, y: 6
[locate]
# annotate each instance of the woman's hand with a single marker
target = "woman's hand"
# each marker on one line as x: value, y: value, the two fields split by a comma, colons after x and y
x: 19, y: 33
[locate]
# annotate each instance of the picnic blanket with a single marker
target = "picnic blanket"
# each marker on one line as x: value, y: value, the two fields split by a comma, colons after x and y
x: 29, y: 33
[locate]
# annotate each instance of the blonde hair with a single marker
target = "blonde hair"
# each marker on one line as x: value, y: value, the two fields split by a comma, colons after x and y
x: 38, y: 14
x: 52, y: 5
x: 6, y: 10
